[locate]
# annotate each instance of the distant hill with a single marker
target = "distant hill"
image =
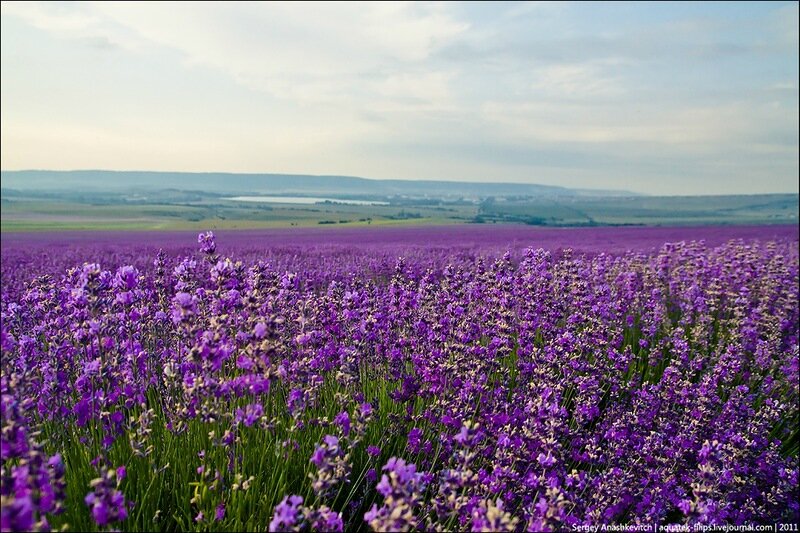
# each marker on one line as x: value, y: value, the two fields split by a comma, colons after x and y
x: 271, y: 184
x: 39, y: 200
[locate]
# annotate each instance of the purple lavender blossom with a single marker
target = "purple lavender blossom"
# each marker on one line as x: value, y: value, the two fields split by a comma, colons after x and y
x: 401, y: 487
x: 333, y: 467
x: 343, y: 421
x: 250, y: 414
x: 106, y: 502
x: 287, y: 514
x: 208, y: 244
x: 520, y: 388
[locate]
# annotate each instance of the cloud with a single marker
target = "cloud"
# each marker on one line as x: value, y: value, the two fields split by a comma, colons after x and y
x: 549, y: 91
x: 74, y: 21
x: 576, y: 81
x: 56, y: 17
x: 785, y: 20
x: 312, y: 53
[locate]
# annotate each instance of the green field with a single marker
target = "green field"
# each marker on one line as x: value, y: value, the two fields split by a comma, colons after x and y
x: 174, y: 210
x: 645, y: 210
x: 48, y: 215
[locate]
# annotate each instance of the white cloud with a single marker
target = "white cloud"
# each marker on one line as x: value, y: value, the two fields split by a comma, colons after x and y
x: 52, y: 16
x: 784, y: 86
x: 312, y: 53
x: 679, y: 131
x: 407, y: 31
x: 72, y: 20
x: 429, y: 89
x: 575, y: 81
x: 333, y: 87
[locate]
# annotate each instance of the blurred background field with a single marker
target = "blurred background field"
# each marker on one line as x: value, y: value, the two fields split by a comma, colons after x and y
x: 47, y: 201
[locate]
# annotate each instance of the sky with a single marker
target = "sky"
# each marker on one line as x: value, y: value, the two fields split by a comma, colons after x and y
x: 658, y: 98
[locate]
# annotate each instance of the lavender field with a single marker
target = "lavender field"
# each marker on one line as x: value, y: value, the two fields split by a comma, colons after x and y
x: 474, y: 378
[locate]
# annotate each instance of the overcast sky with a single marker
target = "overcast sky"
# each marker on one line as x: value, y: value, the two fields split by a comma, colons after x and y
x: 662, y: 98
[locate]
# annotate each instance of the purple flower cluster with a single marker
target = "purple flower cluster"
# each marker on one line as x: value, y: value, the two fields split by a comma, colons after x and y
x: 490, y: 516
x: 33, y: 483
x: 401, y: 487
x: 333, y: 467
x: 529, y: 390
x: 106, y: 502
x: 208, y: 244
x: 291, y: 515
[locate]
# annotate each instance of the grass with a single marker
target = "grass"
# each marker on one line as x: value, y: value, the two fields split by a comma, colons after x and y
x: 111, y: 213
x: 39, y: 215
x: 166, y: 483
x: 28, y: 226
x: 167, y: 479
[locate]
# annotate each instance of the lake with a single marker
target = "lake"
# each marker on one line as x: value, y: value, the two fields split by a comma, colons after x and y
x: 301, y: 200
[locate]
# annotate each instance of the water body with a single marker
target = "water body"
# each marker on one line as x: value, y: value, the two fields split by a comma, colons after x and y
x: 301, y: 200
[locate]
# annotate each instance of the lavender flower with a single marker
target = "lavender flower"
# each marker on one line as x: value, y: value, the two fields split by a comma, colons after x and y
x: 333, y: 467
x: 292, y: 515
x: 401, y: 487
x: 208, y: 244
x: 287, y: 515
x: 532, y: 389
x: 106, y: 502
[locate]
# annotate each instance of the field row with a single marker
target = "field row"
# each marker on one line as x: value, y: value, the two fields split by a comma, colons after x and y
x: 454, y: 388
